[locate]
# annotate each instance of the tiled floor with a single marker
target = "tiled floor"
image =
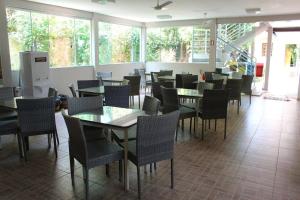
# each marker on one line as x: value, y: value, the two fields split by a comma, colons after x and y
x: 260, y: 159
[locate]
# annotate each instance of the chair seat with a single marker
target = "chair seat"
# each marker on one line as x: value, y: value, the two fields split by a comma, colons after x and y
x: 8, y: 114
x: 93, y: 133
x: 8, y: 127
x: 186, y: 112
x: 102, y: 152
x: 118, y: 135
x: 189, y: 105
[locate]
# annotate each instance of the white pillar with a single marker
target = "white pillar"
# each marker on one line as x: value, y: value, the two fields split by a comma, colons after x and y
x: 95, y: 44
x: 268, y: 58
x: 4, y: 47
x: 213, y: 45
x: 143, y: 45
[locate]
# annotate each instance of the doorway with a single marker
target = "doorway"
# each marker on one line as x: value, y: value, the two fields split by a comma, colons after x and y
x: 285, y: 64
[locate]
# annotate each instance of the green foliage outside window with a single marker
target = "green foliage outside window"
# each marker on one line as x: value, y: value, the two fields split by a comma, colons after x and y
x: 118, y: 43
x: 177, y: 44
x: 66, y: 39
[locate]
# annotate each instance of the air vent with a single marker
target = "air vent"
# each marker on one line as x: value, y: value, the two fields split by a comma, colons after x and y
x: 164, y: 16
x: 253, y: 10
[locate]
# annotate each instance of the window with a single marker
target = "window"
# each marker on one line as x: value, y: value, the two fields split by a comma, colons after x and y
x: 118, y: 43
x: 178, y: 44
x: 67, y: 40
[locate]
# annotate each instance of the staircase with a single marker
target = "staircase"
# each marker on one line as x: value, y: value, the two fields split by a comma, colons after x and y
x: 230, y: 41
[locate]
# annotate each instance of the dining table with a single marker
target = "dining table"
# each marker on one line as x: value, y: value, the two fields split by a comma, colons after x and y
x: 11, y: 103
x: 113, y: 118
x: 113, y: 81
x: 194, y: 95
x: 91, y: 91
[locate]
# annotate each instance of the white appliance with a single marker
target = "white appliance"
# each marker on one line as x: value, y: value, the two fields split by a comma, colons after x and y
x: 34, y: 73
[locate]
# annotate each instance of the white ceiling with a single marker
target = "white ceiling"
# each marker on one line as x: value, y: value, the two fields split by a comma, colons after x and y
x: 142, y: 10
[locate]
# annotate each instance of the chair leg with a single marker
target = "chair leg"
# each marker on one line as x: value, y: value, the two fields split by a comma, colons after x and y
x: 72, y: 169
x: 24, y: 148
x: 120, y: 171
x: 57, y: 138
x: 55, y: 145
x: 202, y: 133
x: 27, y: 143
x: 191, y: 119
x: 139, y: 102
x: 19, y: 144
x: 155, y: 166
x: 139, y: 181
x: 150, y: 167
x: 250, y: 97
x: 238, y: 107
x: 215, y: 125
x: 49, y: 141
x: 172, y: 173
x: 225, y: 128
x: 107, y: 170
x: 86, y: 178
x: 194, y: 124
x: 182, y: 124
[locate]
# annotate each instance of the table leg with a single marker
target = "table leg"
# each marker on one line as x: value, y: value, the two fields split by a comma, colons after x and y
x: 196, y: 120
x: 126, y: 178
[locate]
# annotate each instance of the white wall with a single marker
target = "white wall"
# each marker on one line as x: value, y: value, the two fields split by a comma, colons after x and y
x: 62, y: 77
x: 119, y: 70
x: 178, y: 68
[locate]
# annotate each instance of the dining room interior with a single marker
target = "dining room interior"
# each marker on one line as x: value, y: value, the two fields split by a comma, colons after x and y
x: 151, y: 99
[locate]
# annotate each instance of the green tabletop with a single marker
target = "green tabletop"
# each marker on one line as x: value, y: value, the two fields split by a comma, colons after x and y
x: 111, y: 116
x: 189, y: 93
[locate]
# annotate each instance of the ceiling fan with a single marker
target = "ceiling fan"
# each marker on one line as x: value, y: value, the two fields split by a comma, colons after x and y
x: 162, y: 6
x: 104, y: 1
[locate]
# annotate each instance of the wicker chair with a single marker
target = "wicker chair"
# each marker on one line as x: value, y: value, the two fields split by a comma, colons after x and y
x: 247, y: 85
x: 36, y: 117
x: 84, y: 104
x: 117, y: 96
x: 6, y: 114
x: 188, y: 81
x: 135, y: 85
x: 214, y: 106
x: 154, y: 143
x: 90, y: 154
x: 165, y: 73
x: 171, y: 103
x: 8, y: 127
x: 234, y: 87
x: 218, y: 84
x: 82, y: 84
x: 208, y: 76
x: 150, y: 107
x: 72, y: 89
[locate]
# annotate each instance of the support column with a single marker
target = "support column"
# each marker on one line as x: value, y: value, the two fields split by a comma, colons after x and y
x: 268, y: 58
x: 95, y: 44
x: 143, y: 45
x: 4, y: 47
x: 213, y: 44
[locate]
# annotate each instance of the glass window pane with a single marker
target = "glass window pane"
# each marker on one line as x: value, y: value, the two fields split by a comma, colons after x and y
x: 40, y: 31
x: 82, y: 42
x: 118, y: 43
x: 19, y: 34
x: 61, y: 36
x: 153, y: 45
x: 178, y: 44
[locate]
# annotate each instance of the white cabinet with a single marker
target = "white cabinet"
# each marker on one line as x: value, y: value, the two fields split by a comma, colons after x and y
x: 34, y: 73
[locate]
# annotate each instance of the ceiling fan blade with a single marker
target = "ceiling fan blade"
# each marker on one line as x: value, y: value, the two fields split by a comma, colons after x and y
x: 165, y: 4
